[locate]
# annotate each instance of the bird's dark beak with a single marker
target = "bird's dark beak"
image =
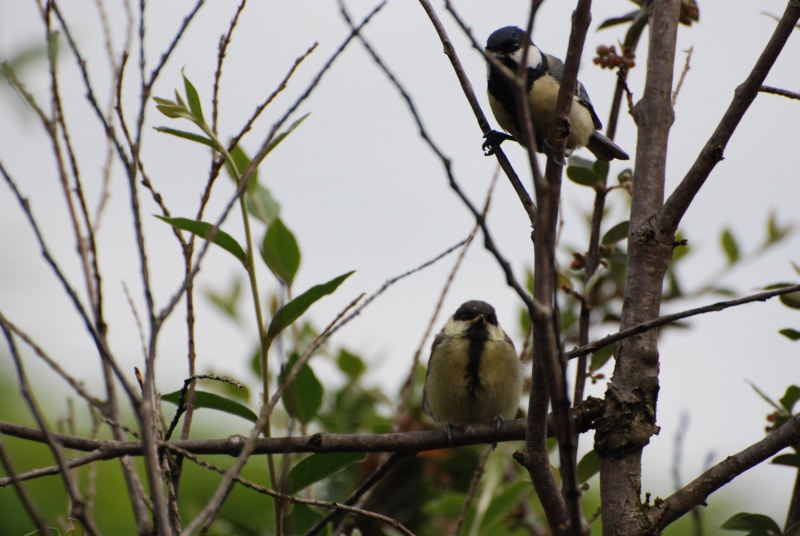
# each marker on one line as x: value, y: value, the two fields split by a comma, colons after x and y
x: 478, y: 320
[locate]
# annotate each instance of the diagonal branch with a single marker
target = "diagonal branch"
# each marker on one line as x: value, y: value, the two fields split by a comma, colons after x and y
x: 469, y: 93
x: 678, y: 203
x: 668, y: 319
x: 696, y: 492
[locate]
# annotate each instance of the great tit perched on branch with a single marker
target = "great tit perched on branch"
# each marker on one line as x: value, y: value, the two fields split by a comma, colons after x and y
x: 474, y: 374
x: 543, y: 79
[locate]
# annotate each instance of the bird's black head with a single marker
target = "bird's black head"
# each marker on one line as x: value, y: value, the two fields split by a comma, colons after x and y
x: 473, y: 309
x: 505, y: 41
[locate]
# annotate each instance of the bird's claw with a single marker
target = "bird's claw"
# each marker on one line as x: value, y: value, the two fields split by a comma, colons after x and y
x: 448, y: 431
x: 497, y: 422
x: 493, y: 141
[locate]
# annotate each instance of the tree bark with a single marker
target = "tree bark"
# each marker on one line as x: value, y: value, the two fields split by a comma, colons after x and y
x: 630, y: 417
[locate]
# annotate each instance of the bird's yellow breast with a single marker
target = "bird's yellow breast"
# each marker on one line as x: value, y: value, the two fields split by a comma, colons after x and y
x: 542, y: 98
x: 447, y: 392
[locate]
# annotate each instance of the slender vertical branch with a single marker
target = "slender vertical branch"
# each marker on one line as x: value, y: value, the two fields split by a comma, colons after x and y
x: 547, y: 342
x: 27, y: 503
x: 77, y: 505
x: 632, y: 393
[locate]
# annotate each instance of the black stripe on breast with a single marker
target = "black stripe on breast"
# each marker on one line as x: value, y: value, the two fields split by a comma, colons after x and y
x: 477, y: 335
x: 503, y: 91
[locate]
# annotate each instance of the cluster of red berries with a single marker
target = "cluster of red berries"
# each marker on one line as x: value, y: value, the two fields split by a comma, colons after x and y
x: 689, y: 12
x: 607, y: 57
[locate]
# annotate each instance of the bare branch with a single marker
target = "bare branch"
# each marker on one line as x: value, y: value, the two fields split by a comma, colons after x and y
x: 778, y: 91
x: 99, y: 341
x: 362, y: 491
x: 678, y: 203
x: 30, y: 507
x: 668, y: 319
x: 77, y: 505
x: 405, y: 442
x: 696, y: 492
x: 469, y: 93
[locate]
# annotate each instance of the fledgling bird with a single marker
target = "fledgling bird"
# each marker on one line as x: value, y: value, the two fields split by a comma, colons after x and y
x: 543, y: 79
x: 474, y: 374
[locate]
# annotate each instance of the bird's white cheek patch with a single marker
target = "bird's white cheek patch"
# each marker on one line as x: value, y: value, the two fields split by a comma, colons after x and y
x: 534, y: 57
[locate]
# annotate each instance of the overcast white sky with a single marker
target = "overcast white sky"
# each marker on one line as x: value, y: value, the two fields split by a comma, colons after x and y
x: 361, y: 191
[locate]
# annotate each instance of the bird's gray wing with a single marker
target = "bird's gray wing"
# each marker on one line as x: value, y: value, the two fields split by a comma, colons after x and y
x: 509, y: 341
x: 556, y: 68
x: 436, y: 342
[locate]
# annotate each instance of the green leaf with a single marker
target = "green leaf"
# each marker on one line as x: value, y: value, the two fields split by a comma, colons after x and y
x: 502, y: 506
x: 638, y: 24
x: 616, y: 233
x: 600, y: 168
x: 227, y: 300
x: 261, y: 204
x: 317, y: 467
x: 280, y: 252
x: 588, y: 466
x: 76, y: 529
x: 241, y: 160
x: 791, y: 334
x: 613, y: 21
x: 578, y: 161
x: 174, y: 111
x: 776, y: 232
x: 188, y: 136
x: 601, y: 357
x: 286, y: 315
x: 206, y: 230
x: 352, y: 365
x: 599, y: 275
x: 764, y: 397
x: 303, y: 398
x: 204, y: 399
x: 280, y: 137
x: 444, y: 504
x: 791, y: 300
x: 583, y: 176
x: 304, y: 518
x: 792, y: 460
x: 194, y: 100
x: 753, y: 523
x: 790, y: 398
x: 730, y: 246
x: 679, y: 252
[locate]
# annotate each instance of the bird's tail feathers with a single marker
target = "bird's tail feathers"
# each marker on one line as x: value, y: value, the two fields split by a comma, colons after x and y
x: 605, y: 149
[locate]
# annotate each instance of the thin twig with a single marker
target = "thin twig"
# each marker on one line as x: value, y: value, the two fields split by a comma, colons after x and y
x: 224, y: 41
x: 362, y: 491
x: 99, y: 341
x: 686, y: 67
x: 77, y: 505
x: 27, y: 503
x: 73, y: 383
x: 668, y: 319
x: 263, y: 151
x: 303, y: 359
x: 344, y: 507
x: 469, y: 93
x: 778, y: 91
x: 473, y: 487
